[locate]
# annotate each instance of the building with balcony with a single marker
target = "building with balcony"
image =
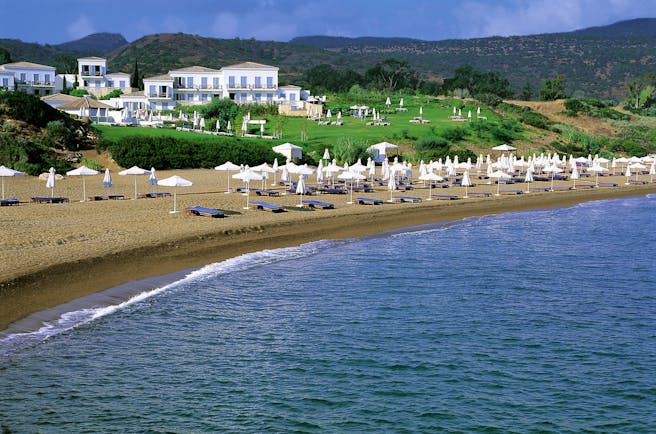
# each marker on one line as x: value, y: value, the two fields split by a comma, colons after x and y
x: 93, y: 76
x: 29, y: 77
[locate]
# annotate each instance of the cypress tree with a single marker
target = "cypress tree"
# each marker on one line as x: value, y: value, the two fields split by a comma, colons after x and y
x: 134, y: 79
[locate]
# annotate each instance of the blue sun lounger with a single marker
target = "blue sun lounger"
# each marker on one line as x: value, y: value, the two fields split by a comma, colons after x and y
x: 445, y: 196
x: 480, y: 193
x: 48, y: 199
x: 406, y: 199
x: 607, y: 184
x: 206, y: 212
x: 264, y: 206
x: 9, y: 202
x: 510, y: 192
x: 538, y: 189
x: 367, y: 201
x: 267, y: 192
x: 317, y: 204
x: 562, y: 187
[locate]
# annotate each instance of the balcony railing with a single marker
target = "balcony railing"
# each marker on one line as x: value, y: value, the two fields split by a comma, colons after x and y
x: 36, y: 83
x: 159, y: 95
x: 198, y: 87
x: 239, y: 86
x: 88, y: 74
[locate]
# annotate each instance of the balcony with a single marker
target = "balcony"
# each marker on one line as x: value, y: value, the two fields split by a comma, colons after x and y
x: 199, y: 87
x: 88, y: 74
x: 27, y: 83
x: 161, y: 95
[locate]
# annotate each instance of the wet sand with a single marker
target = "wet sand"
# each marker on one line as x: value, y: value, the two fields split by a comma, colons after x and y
x: 52, y: 254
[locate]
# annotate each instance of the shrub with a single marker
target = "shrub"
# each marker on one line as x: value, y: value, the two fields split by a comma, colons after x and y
x: 78, y: 92
x: 113, y: 94
x: 489, y: 99
x: 453, y: 134
x: 431, y: 143
x: 350, y: 150
x: 536, y: 120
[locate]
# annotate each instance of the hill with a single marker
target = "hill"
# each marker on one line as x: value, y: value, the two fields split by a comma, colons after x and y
x: 340, y: 41
x: 97, y: 43
x: 636, y: 27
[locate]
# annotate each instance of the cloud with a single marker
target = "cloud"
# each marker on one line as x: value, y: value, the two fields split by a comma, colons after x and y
x: 81, y: 27
x: 226, y: 25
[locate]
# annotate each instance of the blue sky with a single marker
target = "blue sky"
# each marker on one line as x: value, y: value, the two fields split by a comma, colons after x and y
x: 56, y: 21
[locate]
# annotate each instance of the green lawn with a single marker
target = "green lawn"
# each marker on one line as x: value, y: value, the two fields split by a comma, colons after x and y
x: 400, y: 131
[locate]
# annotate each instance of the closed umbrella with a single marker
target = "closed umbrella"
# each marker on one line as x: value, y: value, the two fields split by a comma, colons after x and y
x: 574, y: 176
x: 388, y: 102
x: 275, y: 170
x: 107, y: 181
x: 300, y: 187
x: 152, y: 179
x: 466, y: 182
x: 652, y: 171
x: 6, y: 172
x: 83, y: 171
x: 50, y: 183
x: 175, y: 182
x: 227, y: 167
x: 391, y: 185
x: 529, y: 178
x: 326, y: 154
x: 134, y: 171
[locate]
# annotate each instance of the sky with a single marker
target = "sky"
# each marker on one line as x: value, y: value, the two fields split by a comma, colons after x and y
x: 57, y: 21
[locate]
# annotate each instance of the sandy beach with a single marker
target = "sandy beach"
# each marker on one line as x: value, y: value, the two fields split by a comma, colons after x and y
x: 54, y: 253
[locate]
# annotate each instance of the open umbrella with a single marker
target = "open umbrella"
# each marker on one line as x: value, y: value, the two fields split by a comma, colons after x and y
x: 227, y: 167
x: 597, y: 169
x: 248, y: 176
x: 5, y: 172
x: 83, y: 171
x: 50, y: 183
x: 350, y: 176
x: 499, y: 175
x: 430, y: 177
x: 135, y: 171
x: 107, y: 181
x: 553, y: 170
x: 175, y: 182
x: 466, y: 182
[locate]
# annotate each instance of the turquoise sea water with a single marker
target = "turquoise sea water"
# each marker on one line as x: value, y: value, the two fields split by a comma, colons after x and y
x: 541, y: 321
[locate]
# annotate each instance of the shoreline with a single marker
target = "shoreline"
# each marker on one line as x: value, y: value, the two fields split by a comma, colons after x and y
x: 55, y: 284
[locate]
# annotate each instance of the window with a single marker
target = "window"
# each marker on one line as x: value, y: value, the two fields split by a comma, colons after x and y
x: 46, y: 78
x: 121, y: 84
x: 215, y: 82
x: 243, y: 97
x: 152, y: 90
x: 23, y: 76
x: 203, y: 82
x: 203, y: 97
x: 5, y: 82
x: 269, y: 97
x: 231, y: 81
x: 190, y: 82
x: 110, y: 83
x: 244, y: 81
x: 258, y: 82
x: 35, y: 78
x: 292, y: 97
x: 269, y: 82
x: 165, y: 105
x: 258, y: 97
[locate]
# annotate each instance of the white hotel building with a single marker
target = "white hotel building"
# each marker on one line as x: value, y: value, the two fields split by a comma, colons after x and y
x: 28, y: 77
x: 247, y: 82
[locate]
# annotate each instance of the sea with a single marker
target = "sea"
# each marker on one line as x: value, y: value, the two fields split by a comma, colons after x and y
x: 525, y: 322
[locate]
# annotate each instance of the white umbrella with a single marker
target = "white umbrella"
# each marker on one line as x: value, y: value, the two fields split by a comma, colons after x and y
x: 391, y: 185
x: 83, y: 171
x: 50, y: 183
x: 135, y: 171
x: 229, y: 128
x: 5, y: 172
x: 152, y: 179
x: 388, y: 102
x: 652, y: 171
x: 430, y: 176
x: 597, y: 170
x: 175, y: 182
x: 574, y: 176
x: 275, y: 170
x: 326, y: 154
x: 248, y: 176
x: 499, y: 175
x: 107, y: 181
x: 628, y: 174
x: 303, y: 171
x: 553, y: 170
x: 227, y: 167
x: 350, y: 176
x: 401, y: 103
x: 466, y: 182
x: 421, y: 111
x: 637, y: 167
x: 529, y: 178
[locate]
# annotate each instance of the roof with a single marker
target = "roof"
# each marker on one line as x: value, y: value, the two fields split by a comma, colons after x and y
x: 250, y: 65
x: 286, y: 146
x: 383, y: 145
x: 59, y: 97
x: 26, y: 65
x: 164, y: 77
x: 290, y: 86
x: 118, y: 73
x: 137, y: 94
x: 194, y: 69
x: 91, y: 58
x: 84, y: 102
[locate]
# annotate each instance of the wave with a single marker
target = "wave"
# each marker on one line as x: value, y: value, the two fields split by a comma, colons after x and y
x: 12, y: 342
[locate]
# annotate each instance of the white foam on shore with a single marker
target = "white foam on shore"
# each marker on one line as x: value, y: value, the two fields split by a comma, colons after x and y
x: 11, y: 342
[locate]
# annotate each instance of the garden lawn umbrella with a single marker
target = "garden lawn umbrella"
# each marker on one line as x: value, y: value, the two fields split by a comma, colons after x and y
x: 401, y: 103
x: 5, y: 172
x: 50, y: 183
x: 202, y: 123
x: 466, y: 182
x: 248, y: 176
x: 107, y: 181
x: 388, y: 102
x: 83, y: 171
x: 227, y: 167
x: 430, y: 176
x: 134, y: 171
x: 326, y: 154
x: 175, y: 182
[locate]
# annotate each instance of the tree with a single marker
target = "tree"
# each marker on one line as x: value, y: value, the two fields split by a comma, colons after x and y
x: 476, y: 83
x: 135, y: 78
x: 527, y: 92
x: 66, y: 64
x: 640, y: 93
x: 391, y: 75
x: 5, y: 57
x: 552, y: 89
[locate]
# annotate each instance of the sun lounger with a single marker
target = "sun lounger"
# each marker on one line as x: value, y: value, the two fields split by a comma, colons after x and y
x: 445, y: 196
x: 538, y: 189
x: 585, y: 186
x: 48, y: 199
x: 107, y: 197
x: 637, y: 181
x: 264, y: 206
x: 562, y: 187
x: 267, y: 192
x: 406, y: 199
x: 332, y: 190
x: 206, y: 212
x: 308, y: 203
x: 480, y: 193
x: 440, y: 186
x: 367, y: 201
x: 154, y: 195
x: 510, y: 192
x: 607, y: 184
x: 9, y: 202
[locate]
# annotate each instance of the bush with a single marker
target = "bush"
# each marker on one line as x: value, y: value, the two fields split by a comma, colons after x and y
x: 453, y: 134
x: 431, y: 143
x: 536, y: 120
x: 350, y: 150
x: 489, y: 99
x: 78, y: 92
x: 113, y: 94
